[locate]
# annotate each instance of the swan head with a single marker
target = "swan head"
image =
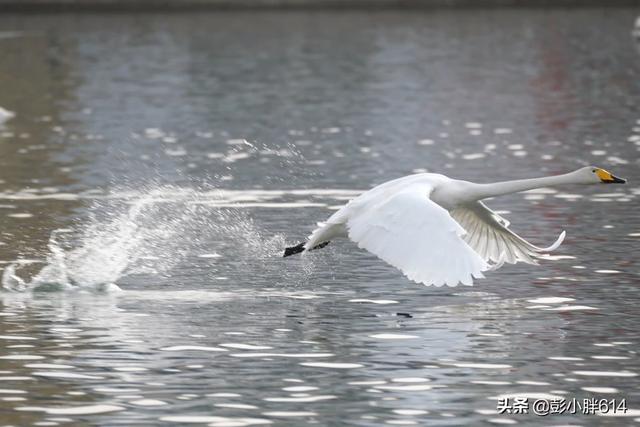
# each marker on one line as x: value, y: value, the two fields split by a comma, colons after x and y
x: 596, y: 175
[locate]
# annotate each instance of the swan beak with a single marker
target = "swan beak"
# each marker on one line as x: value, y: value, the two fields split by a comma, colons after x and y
x: 615, y: 180
x: 609, y: 178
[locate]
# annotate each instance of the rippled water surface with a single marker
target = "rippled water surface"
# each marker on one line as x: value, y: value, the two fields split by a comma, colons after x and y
x: 157, y: 165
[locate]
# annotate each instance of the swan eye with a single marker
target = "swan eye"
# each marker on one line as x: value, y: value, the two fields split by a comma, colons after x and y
x: 594, y: 170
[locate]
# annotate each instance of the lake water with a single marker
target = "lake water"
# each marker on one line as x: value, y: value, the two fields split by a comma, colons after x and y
x: 158, y: 164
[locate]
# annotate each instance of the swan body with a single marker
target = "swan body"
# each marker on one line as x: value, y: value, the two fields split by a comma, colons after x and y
x: 436, y: 229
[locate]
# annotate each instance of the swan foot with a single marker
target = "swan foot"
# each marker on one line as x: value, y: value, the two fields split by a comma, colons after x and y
x: 300, y: 248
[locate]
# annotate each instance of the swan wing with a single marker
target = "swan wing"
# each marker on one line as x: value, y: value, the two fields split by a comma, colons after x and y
x: 488, y: 234
x: 414, y: 234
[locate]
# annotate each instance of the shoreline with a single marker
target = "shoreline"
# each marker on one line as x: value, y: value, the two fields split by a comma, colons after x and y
x: 91, y: 6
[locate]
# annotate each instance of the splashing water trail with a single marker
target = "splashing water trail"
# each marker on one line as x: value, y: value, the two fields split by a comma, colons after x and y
x: 146, y: 234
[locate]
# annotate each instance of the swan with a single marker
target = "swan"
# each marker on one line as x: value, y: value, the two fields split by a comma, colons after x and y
x: 6, y: 115
x: 436, y: 230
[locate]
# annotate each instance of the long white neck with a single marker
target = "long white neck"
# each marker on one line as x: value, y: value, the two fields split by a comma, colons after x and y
x: 483, y: 191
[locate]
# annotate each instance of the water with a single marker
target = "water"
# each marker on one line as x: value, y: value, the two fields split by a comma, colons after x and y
x: 157, y: 164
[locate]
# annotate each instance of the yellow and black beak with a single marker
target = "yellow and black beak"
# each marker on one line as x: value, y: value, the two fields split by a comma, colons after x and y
x: 609, y: 178
x: 617, y: 180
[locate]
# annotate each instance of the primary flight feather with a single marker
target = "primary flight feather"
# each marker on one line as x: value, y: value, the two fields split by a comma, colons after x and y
x: 436, y: 229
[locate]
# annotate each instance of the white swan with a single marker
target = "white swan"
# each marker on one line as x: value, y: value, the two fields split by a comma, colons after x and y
x: 6, y: 115
x: 436, y: 230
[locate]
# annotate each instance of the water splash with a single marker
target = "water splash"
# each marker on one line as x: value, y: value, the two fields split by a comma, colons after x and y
x: 247, y: 249
x: 106, y: 248
x: 146, y: 234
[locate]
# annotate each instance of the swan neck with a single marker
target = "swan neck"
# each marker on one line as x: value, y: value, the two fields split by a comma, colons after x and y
x: 483, y: 191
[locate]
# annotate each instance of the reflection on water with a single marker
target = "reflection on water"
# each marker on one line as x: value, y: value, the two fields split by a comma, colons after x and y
x: 159, y: 353
x: 173, y: 157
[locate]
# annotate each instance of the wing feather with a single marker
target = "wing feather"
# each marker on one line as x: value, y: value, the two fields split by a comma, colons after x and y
x: 509, y: 252
x: 474, y: 236
x: 483, y: 239
x: 488, y: 234
x: 414, y: 234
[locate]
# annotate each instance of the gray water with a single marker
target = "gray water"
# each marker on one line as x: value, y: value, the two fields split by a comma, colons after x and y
x: 157, y: 165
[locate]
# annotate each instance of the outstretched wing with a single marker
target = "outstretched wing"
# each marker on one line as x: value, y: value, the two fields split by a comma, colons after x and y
x: 417, y: 236
x: 488, y: 234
